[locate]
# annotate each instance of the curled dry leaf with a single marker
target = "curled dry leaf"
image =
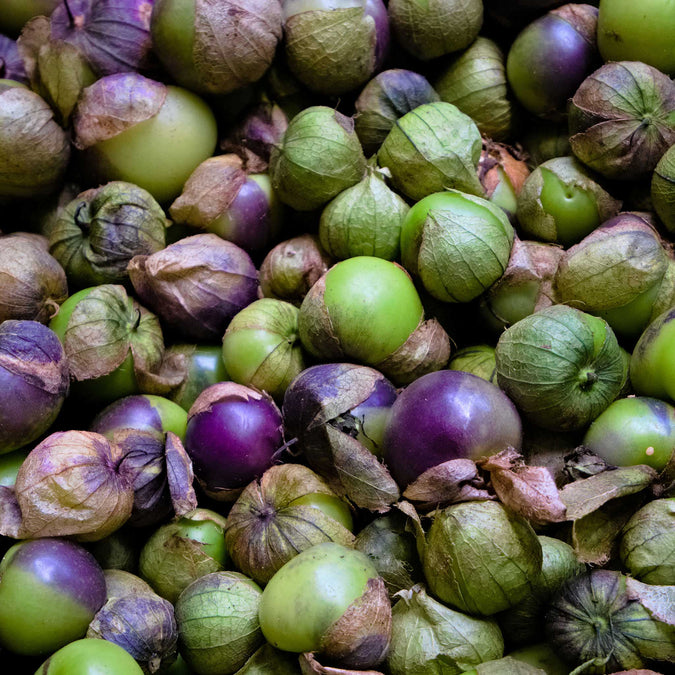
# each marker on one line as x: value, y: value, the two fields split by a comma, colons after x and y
x: 530, y: 491
x: 179, y: 475
x: 310, y: 666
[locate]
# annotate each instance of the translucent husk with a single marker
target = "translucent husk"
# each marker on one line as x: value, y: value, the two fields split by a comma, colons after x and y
x: 32, y: 283
x: 430, y: 29
x: 432, y: 148
x: 319, y: 156
x: 478, y: 360
x: 475, y: 81
x: 663, y: 189
x: 481, y: 558
x: 265, y: 529
x: 430, y: 638
x: 292, y: 267
x: 101, y: 230
x: 364, y: 220
x: 331, y: 51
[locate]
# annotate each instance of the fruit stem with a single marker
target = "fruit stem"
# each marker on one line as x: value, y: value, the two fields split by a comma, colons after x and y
x: 79, y: 221
x: 587, y: 378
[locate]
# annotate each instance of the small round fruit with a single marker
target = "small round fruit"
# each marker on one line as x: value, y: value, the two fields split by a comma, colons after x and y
x: 90, y: 656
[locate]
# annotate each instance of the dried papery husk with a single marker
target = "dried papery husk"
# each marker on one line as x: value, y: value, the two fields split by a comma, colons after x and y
x: 526, y: 285
x: 392, y: 550
x: 265, y: 529
x: 58, y: 70
x: 253, y: 138
x: 331, y: 47
x: 315, y: 404
x: 432, y: 148
x: 170, y: 561
x: 261, y: 348
x: 615, y: 272
x: 470, y: 536
x: 292, y: 267
x: 533, y: 217
x: 611, y: 620
x: 33, y: 282
x: 71, y: 484
x: 143, y: 624
x: 663, y: 189
x: 388, y: 96
x: 197, y: 284
x: 119, y: 584
x: 209, y: 191
x: 475, y: 81
x: 364, y: 220
x: 319, y: 156
x: 104, y: 328
x: 231, y: 44
x: 309, y: 665
x: 97, y: 234
x: 218, y: 625
x: 34, y: 149
x: 502, y: 171
x: 431, y: 29
x: 428, y: 637
x: 621, y: 119
x: 561, y: 367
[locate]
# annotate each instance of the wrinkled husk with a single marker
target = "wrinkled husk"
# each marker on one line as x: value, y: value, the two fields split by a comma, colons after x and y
x: 430, y: 29
x: 104, y: 327
x: 309, y: 665
x: 647, y: 543
x: 143, y: 624
x: 481, y: 558
x: 475, y: 81
x: 319, y: 156
x: 32, y: 283
x: 313, y: 412
x: 429, y: 638
x: 432, y: 148
x: 255, y: 136
x: 209, y: 191
x: 72, y: 484
x: 526, y: 285
x: 533, y: 218
x: 617, y: 622
x: 217, y: 619
x: 265, y: 529
x: 521, y: 625
x: 391, y: 549
x: 663, y: 189
x: 114, y: 104
x: 622, y: 119
x: 609, y: 272
x: 502, y: 171
x: 57, y: 70
x: 560, y: 366
x: 457, y: 255
x: 197, y: 284
x: 34, y: 149
x: 170, y: 562
x: 292, y: 267
x: 388, y: 96
x: 364, y: 220
x: 261, y: 347
x: 120, y: 584
x: 101, y: 230
x: 478, y: 360
x: 333, y: 50
x: 267, y: 660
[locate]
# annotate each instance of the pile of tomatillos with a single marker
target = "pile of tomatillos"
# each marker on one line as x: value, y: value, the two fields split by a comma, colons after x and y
x: 337, y: 337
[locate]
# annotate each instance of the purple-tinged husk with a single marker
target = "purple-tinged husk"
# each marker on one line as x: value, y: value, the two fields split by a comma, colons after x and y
x: 319, y: 410
x: 449, y: 414
x: 113, y: 36
x: 622, y: 119
x: 11, y: 63
x: 102, y: 229
x: 33, y: 381
x: 197, y: 284
x: 388, y: 96
x: 334, y: 47
x: 266, y: 528
x: 234, y: 434
x: 33, y: 282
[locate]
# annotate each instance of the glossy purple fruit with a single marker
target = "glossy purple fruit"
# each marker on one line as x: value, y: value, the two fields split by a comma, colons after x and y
x: 233, y: 433
x: 448, y: 414
x: 50, y: 589
x: 33, y: 381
